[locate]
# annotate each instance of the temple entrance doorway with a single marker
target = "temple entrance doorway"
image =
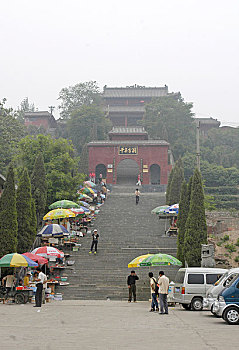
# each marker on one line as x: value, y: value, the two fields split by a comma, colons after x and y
x: 127, y: 172
x: 155, y: 174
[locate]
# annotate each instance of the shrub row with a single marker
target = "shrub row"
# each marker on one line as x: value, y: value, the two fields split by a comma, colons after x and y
x: 222, y: 190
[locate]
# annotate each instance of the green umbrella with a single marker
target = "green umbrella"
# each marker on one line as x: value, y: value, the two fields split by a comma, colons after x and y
x: 64, y: 204
x: 160, y: 260
x: 159, y: 210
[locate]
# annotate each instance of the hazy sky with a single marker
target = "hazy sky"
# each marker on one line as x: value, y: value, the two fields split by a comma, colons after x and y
x: 190, y: 45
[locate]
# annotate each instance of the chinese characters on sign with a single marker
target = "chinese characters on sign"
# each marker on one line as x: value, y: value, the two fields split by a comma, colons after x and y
x: 128, y: 150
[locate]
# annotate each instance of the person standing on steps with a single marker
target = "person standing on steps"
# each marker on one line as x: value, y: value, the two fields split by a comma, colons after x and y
x: 132, y: 286
x: 94, y: 243
x: 137, y: 194
x: 154, y: 292
x: 163, y: 282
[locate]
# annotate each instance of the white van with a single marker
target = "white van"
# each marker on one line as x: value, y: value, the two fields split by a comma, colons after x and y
x: 215, y: 290
x: 192, y: 283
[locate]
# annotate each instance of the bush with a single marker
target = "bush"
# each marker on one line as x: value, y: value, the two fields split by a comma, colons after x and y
x: 237, y: 243
x: 222, y: 190
x: 226, y: 238
x: 237, y: 259
x: 231, y: 247
x: 219, y: 243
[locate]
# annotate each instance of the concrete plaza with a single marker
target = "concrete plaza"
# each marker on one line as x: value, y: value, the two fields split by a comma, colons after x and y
x: 111, y: 325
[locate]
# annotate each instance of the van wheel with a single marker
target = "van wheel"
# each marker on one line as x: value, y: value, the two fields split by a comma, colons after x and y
x: 231, y: 315
x: 186, y: 306
x: 197, y: 304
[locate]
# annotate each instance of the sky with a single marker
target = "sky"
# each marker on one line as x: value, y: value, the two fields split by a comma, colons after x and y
x: 190, y: 45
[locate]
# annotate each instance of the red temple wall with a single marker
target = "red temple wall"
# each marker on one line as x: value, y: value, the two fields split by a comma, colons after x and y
x: 149, y: 154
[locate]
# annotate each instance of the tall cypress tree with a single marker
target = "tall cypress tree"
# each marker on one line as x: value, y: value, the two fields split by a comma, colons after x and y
x: 8, y: 216
x: 24, y: 213
x: 176, y: 183
x: 33, y: 222
x: 181, y: 222
x: 169, y: 186
x: 39, y: 187
x: 196, y: 227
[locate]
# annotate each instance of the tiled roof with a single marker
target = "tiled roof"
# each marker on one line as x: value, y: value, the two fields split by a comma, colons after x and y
x: 38, y: 114
x: 130, y: 130
x: 125, y: 109
x: 138, y: 92
x: 129, y: 142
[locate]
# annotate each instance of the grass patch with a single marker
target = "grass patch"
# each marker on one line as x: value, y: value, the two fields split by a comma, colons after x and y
x: 231, y: 247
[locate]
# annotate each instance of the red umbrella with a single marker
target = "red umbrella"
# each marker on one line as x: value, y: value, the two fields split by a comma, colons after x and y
x: 37, y: 258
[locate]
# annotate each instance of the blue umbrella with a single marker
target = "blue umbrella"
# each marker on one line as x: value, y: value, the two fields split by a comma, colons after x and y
x: 53, y: 230
x: 85, y: 209
x: 84, y: 204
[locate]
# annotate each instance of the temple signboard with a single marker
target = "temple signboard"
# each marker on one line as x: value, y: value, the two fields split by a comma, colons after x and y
x: 128, y: 150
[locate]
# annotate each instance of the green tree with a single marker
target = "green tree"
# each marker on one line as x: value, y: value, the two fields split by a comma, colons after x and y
x: 61, y: 164
x: 73, y: 97
x: 84, y: 162
x: 176, y: 183
x: 196, y: 228
x: 11, y: 132
x: 8, y: 216
x: 24, y: 213
x: 86, y: 124
x: 39, y: 188
x: 33, y: 222
x: 25, y: 106
x: 171, y: 117
x: 169, y: 186
x: 181, y: 221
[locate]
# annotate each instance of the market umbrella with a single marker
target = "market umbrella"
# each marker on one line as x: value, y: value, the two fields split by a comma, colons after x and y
x: 84, y: 204
x: 59, y: 214
x: 85, y: 197
x: 89, y: 184
x: 16, y: 260
x: 37, y: 258
x: 77, y: 211
x: 86, y: 210
x: 87, y: 190
x: 160, y: 259
x: 64, y: 203
x: 136, y: 261
x: 159, y: 210
x: 53, y: 230
x: 47, y: 251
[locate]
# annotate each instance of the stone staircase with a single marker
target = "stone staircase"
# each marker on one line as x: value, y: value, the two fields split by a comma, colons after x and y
x: 126, y: 231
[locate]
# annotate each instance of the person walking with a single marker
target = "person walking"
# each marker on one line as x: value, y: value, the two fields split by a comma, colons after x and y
x: 163, y: 282
x: 154, y: 292
x: 95, y: 237
x: 137, y: 194
x: 40, y: 280
x: 132, y: 286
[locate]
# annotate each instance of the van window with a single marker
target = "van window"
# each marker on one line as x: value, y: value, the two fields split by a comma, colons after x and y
x: 195, y: 278
x: 180, y: 277
x: 212, y: 278
x: 230, y: 279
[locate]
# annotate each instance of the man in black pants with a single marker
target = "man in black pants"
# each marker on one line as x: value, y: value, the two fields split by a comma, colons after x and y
x: 132, y: 286
x: 40, y: 280
x: 137, y: 193
x: 94, y: 243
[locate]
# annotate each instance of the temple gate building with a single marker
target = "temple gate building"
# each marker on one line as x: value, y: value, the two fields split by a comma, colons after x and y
x: 129, y: 152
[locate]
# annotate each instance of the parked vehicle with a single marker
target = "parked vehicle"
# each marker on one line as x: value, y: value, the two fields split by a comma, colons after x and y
x: 192, y: 283
x: 227, y: 305
x: 217, y: 288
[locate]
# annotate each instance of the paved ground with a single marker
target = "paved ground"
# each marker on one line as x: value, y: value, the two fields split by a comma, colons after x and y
x: 111, y: 325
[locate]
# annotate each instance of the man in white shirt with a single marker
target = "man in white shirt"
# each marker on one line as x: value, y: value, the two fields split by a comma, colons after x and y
x: 10, y: 282
x: 40, y: 280
x: 163, y: 282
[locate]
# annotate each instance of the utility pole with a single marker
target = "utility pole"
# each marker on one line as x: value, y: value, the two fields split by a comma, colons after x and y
x: 198, y: 145
x: 51, y: 109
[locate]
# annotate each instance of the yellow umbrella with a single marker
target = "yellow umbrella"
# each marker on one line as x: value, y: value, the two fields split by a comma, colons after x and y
x: 136, y: 261
x: 59, y: 214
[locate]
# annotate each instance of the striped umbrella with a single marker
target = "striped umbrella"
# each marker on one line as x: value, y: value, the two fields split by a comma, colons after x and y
x: 53, y: 230
x: 16, y: 260
x: 46, y: 252
x: 84, y: 204
x: 89, y: 184
x: 78, y: 211
x: 159, y: 210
